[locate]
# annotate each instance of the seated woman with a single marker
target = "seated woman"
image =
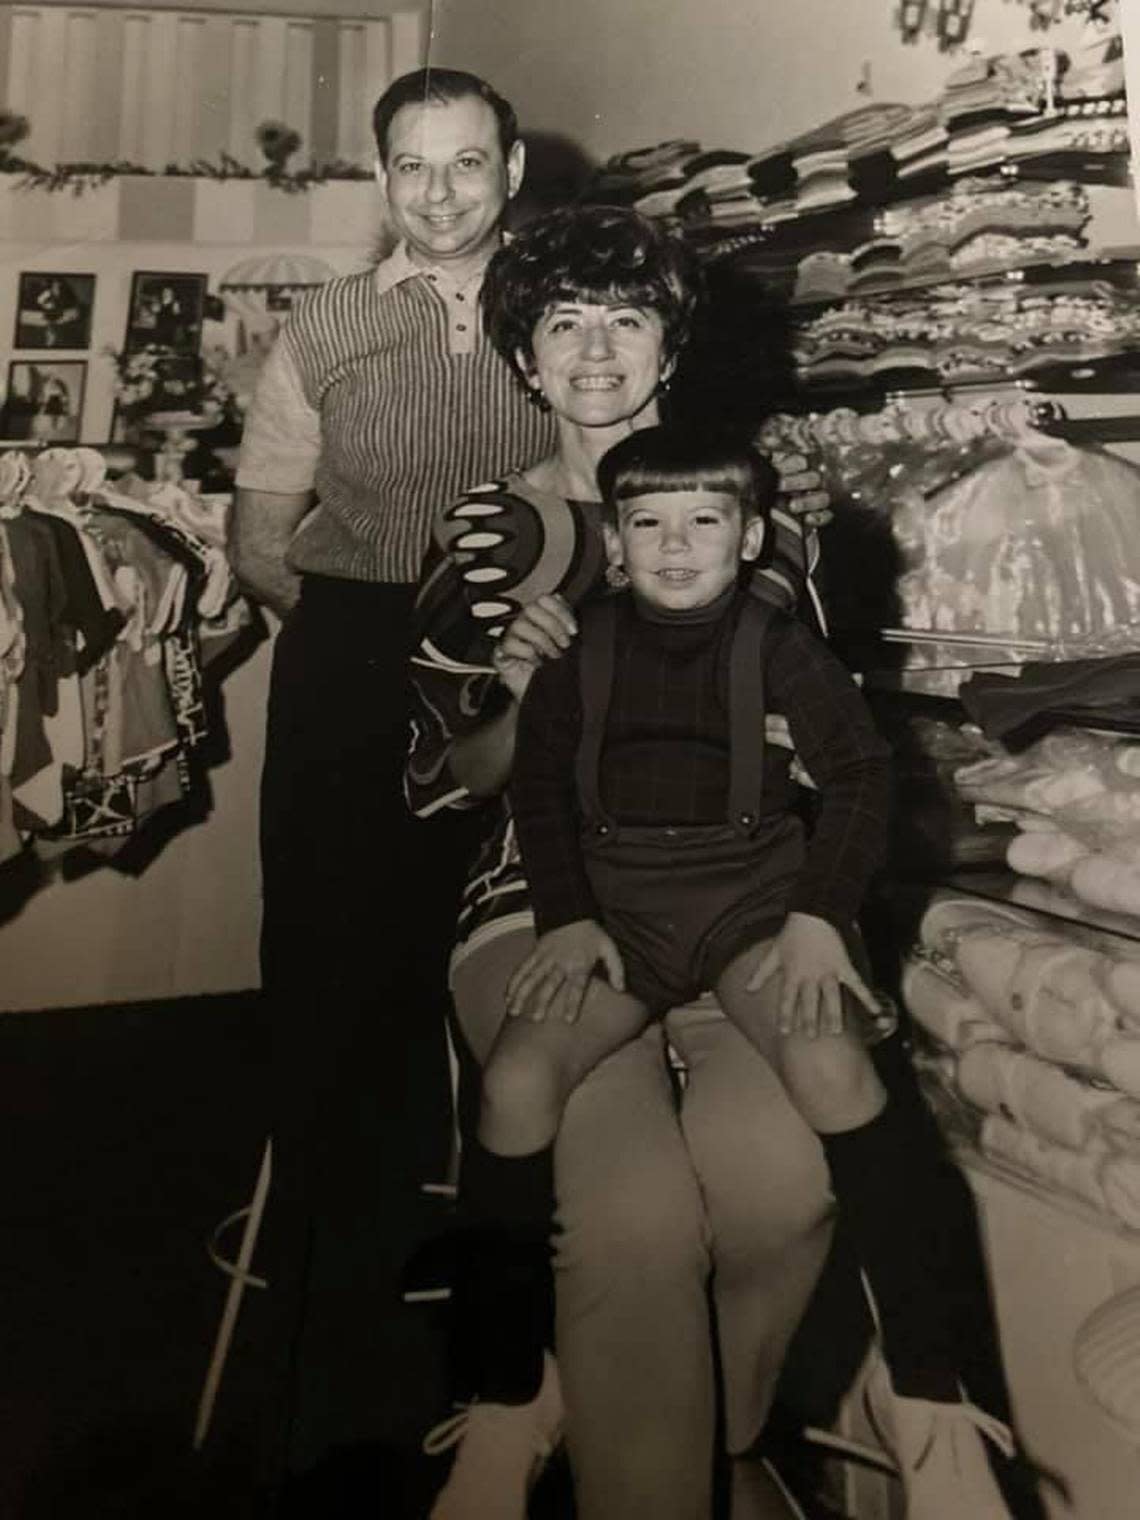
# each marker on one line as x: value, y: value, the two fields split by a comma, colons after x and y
x: 655, y: 1199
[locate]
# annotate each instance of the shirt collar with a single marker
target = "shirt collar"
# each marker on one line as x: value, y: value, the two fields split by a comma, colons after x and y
x: 400, y: 266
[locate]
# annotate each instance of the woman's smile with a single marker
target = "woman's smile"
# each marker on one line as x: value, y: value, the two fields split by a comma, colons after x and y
x: 597, y: 364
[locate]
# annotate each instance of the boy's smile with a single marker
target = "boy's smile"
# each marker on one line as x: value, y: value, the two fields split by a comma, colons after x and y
x: 682, y: 549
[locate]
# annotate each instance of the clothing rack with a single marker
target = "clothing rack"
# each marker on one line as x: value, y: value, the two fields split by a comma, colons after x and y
x: 112, y: 600
x: 939, y: 424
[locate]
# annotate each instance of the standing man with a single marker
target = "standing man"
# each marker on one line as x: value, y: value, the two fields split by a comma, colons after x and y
x: 379, y: 403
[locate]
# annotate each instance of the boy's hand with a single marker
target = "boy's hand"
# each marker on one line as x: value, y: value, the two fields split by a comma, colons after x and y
x: 556, y: 973
x: 543, y: 630
x: 815, y: 965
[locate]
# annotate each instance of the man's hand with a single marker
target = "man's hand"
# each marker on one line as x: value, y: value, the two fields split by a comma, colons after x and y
x: 801, y: 489
x: 260, y: 529
x: 543, y: 630
x: 555, y: 975
x: 811, y: 956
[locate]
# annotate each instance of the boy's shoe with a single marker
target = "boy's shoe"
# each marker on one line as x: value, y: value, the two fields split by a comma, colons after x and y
x: 940, y: 1452
x: 502, y: 1450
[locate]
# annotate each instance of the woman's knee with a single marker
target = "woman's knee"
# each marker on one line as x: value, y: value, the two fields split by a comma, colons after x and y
x: 521, y: 1087
x: 630, y: 1223
x: 478, y: 988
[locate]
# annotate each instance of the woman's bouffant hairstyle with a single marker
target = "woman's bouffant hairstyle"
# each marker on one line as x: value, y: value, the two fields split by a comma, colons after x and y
x: 608, y: 254
x: 661, y: 459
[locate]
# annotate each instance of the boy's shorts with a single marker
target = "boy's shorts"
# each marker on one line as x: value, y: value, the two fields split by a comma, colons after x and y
x: 683, y: 903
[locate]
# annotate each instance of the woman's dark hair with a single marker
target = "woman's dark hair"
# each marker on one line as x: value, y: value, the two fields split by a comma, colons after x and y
x: 657, y: 459
x: 607, y: 254
x: 439, y: 87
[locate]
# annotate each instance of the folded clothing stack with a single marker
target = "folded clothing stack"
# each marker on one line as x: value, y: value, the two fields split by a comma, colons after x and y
x: 1030, y: 1040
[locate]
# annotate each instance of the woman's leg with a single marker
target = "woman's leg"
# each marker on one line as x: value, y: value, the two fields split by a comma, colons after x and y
x: 631, y: 1272
x: 887, y: 1185
x: 766, y: 1192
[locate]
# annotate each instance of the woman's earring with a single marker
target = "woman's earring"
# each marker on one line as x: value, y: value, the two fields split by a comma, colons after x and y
x: 536, y: 397
x: 616, y: 578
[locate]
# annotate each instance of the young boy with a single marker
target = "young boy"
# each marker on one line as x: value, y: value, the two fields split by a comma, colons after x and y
x: 666, y: 856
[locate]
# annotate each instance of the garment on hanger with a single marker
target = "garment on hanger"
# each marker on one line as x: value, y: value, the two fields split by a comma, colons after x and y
x: 1039, y: 544
x: 104, y: 597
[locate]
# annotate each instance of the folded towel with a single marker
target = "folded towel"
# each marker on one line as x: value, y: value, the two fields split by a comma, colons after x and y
x: 1055, y: 1106
x: 1120, y: 1178
x: 953, y: 1018
x: 1043, y: 989
x: 1120, y: 1063
x: 1056, y: 1166
x: 1122, y: 983
x: 1106, y: 1359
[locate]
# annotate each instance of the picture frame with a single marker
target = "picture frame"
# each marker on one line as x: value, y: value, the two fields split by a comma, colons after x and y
x: 53, y: 310
x: 43, y: 402
x: 166, y: 311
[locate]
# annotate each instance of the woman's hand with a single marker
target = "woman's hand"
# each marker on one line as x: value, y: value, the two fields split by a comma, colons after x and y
x: 802, y: 488
x: 543, y: 630
x: 555, y: 975
x: 811, y: 955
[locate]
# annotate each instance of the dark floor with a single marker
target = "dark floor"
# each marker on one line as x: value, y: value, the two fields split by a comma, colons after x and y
x: 127, y: 1134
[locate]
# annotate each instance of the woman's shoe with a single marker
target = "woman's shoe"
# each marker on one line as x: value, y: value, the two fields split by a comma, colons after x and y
x: 940, y: 1452
x: 502, y: 1449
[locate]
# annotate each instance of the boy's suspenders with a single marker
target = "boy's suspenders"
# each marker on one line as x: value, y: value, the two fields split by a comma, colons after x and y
x: 746, y: 713
x: 598, y: 622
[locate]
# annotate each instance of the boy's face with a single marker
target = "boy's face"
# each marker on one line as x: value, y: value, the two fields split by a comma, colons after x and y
x: 681, y: 549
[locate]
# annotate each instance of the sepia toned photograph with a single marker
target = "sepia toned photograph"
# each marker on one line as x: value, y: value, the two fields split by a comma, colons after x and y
x: 54, y: 310
x: 44, y: 401
x: 570, y: 802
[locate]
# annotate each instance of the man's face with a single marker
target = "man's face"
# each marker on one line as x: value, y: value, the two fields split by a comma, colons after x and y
x: 447, y: 182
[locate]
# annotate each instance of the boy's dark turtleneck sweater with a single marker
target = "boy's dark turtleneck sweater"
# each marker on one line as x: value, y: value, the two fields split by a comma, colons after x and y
x: 665, y: 759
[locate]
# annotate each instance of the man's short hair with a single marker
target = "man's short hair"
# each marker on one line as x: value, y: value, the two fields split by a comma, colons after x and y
x: 661, y: 459
x: 438, y: 87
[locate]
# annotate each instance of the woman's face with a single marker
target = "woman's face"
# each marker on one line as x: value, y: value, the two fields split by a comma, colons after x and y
x: 597, y: 364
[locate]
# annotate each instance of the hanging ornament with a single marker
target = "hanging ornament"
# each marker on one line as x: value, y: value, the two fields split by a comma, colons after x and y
x: 1044, y: 13
x: 910, y: 17
x: 954, y: 17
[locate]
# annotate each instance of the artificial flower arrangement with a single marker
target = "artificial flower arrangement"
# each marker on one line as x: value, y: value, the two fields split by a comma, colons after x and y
x: 153, y: 380
x: 277, y: 142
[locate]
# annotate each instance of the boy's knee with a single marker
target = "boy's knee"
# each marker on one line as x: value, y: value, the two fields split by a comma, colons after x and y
x: 827, y: 1076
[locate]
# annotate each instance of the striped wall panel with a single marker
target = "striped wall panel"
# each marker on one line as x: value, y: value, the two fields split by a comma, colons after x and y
x: 163, y: 86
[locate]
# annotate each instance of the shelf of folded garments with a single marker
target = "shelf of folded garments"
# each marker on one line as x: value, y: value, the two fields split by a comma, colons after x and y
x: 979, y: 227
x: 1006, y: 888
x: 712, y: 192
x: 1062, y: 326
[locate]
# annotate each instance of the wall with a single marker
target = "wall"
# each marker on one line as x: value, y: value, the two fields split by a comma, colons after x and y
x: 730, y: 73
x: 160, y: 85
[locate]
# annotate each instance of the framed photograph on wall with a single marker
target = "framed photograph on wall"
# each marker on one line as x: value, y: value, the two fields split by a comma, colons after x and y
x: 166, y: 311
x: 44, y: 401
x: 54, y: 310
